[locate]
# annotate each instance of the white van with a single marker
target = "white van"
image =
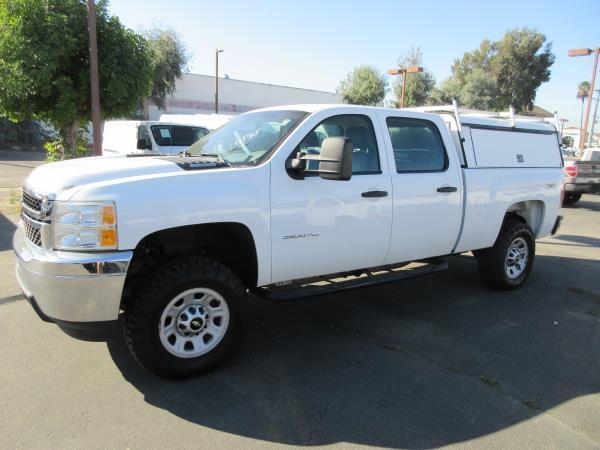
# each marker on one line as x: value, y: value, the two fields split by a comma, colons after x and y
x: 126, y: 137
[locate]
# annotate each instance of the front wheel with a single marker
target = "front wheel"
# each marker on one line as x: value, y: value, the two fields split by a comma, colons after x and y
x: 508, y: 263
x: 184, y: 319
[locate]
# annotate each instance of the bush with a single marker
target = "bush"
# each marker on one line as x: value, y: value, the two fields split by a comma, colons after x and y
x: 56, y: 150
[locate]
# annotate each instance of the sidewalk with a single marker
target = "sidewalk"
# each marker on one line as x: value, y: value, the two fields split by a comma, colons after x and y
x: 15, y: 165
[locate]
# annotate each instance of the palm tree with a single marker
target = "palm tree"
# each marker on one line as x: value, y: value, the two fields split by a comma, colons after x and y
x: 583, y: 89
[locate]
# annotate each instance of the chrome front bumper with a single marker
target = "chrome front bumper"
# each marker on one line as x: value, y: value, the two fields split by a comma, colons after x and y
x: 71, y: 286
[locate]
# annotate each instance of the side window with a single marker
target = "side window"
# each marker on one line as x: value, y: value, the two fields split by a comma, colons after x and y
x: 162, y: 135
x: 357, y: 128
x: 417, y: 145
x: 143, y: 135
x: 186, y: 136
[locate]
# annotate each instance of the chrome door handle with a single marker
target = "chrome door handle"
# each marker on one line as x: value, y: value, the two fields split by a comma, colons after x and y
x: 374, y: 194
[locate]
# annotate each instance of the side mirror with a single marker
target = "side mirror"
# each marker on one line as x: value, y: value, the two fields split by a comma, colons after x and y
x: 335, y: 160
x: 143, y: 144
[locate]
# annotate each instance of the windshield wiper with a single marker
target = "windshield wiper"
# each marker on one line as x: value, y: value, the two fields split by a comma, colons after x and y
x: 218, y: 157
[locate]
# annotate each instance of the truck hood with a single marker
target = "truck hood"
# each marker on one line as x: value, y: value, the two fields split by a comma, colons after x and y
x: 62, y: 176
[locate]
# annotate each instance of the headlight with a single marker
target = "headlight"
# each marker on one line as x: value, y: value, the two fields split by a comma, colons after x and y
x: 84, y: 225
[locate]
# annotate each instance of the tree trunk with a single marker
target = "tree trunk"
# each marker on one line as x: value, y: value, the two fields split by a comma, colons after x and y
x: 69, y: 135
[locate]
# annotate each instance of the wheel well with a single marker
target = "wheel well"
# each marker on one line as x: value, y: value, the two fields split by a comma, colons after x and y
x: 230, y: 243
x: 530, y: 212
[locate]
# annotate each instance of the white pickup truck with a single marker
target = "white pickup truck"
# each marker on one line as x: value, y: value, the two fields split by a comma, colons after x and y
x: 282, y: 202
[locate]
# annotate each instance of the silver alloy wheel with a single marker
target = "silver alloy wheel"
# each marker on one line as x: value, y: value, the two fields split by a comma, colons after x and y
x: 516, y: 258
x: 193, y: 323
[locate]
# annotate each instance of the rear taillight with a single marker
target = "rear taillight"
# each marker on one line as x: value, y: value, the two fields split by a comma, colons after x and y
x: 571, y: 171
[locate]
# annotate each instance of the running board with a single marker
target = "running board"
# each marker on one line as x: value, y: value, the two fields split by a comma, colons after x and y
x: 345, y: 282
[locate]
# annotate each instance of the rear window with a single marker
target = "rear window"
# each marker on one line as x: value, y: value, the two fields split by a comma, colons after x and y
x: 595, y: 156
x: 176, y: 135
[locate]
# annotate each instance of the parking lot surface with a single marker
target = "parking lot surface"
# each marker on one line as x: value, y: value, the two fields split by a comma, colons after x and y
x: 427, y: 362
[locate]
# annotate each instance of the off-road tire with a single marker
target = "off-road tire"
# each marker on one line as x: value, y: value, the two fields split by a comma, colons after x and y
x: 570, y: 198
x: 143, y: 313
x: 492, y: 261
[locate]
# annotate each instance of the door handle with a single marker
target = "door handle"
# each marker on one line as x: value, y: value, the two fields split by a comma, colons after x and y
x: 374, y: 194
x: 447, y: 189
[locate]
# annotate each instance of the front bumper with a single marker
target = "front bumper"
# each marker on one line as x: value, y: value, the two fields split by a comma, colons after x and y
x: 71, y: 287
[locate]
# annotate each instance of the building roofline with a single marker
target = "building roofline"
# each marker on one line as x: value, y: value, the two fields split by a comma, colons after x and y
x: 258, y: 82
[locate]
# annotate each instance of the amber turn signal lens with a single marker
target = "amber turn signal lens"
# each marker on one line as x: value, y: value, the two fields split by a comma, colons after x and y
x: 108, y: 238
x: 108, y: 215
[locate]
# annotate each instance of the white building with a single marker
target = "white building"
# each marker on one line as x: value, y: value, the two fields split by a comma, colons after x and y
x: 575, y: 133
x: 195, y: 94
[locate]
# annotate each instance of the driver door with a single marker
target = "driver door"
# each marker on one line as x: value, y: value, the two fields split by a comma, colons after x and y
x: 321, y: 227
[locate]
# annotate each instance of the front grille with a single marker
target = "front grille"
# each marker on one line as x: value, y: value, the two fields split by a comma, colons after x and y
x: 32, y: 229
x: 32, y: 204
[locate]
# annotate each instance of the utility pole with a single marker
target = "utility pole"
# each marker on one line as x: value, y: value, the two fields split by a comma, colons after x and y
x: 217, y: 80
x: 589, y: 144
x: 404, y: 72
x: 586, y: 52
x: 95, y: 85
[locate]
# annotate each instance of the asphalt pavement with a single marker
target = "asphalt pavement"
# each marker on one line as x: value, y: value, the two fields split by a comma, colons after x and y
x: 426, y: 362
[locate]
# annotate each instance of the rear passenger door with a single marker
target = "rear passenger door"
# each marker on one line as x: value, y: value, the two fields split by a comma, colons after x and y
x: 427, y: 186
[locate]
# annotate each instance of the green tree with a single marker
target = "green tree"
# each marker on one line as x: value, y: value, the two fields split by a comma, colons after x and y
x: 514, y: 66
x: 169, y: 59
x: 44, y: 64
x: 477, y: 91
x: 583, y: 89
x: 365, y: 85
x: 419, y: 86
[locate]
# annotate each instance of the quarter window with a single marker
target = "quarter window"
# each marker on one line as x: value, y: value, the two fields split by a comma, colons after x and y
x: 144, y: 136
x: 417, y: 145
x: 358, y: 129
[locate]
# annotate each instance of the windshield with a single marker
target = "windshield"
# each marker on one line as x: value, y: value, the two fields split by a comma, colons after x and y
x: 249, y: 138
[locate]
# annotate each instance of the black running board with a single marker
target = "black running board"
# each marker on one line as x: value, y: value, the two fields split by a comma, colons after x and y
x: 340, y: 283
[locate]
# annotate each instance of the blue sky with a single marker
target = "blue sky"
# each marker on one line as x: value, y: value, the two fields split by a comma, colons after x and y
x: 314, y: 44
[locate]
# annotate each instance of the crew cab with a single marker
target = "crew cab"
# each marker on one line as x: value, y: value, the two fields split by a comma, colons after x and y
x: 582, y: 175
x: 283, y: 203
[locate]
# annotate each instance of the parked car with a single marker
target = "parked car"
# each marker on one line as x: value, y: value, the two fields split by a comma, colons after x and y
x: 582, y: 175
x: 130, y: 137
x: 271, y: 202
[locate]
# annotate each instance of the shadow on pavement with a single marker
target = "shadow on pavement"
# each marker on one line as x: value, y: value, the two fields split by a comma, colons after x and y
x: 585, y: 204
x: 7, y: 229
x: 421, y: 363
x: 586, y: 240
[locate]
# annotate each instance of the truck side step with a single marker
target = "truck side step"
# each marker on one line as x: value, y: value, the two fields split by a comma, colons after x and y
x: 344, y: 282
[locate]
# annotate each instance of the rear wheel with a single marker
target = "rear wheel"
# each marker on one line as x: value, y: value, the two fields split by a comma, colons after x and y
x: 184, y: 319
x: 571, y: 198
x: 508, y: 263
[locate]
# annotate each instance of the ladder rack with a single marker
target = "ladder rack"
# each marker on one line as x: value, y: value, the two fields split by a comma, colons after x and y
x: 465, y: 112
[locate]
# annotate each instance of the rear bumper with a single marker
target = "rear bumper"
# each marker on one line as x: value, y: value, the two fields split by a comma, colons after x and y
x: 582, y: 187
x: 71, y: 288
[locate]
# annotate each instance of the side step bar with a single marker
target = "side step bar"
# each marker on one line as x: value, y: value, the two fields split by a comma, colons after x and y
x: 344, y: 282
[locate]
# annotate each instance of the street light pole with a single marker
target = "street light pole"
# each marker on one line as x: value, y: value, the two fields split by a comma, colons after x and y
x: 94, y: 83
x: 404, y: 72
x: 586, y: 52
x: 217, y: 80
x: 589, y: 144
